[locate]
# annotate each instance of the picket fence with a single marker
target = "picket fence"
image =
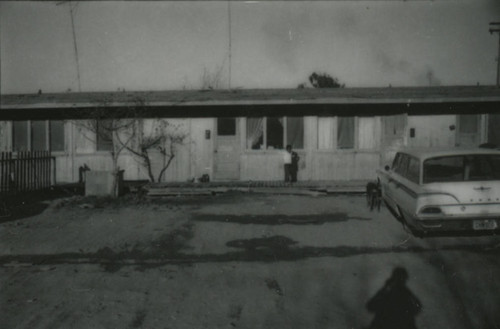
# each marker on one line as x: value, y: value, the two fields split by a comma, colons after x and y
x: 26, y: 171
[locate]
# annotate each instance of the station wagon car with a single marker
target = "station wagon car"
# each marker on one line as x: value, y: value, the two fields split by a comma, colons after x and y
x: 454, y: 190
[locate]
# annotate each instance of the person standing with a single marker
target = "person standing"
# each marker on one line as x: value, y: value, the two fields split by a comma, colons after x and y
x: 291, y: 161
x: 295, y: 165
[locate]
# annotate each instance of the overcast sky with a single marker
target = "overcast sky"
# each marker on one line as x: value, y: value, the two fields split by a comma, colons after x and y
x: 171, y: 45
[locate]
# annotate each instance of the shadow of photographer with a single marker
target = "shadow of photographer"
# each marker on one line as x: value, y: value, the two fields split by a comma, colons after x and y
x: 394, y: 305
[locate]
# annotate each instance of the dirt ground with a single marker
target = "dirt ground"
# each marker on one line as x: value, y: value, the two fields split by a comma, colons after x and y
x: 243, y: 260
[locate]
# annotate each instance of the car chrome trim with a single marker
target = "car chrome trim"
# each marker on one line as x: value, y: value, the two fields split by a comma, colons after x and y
x: 482, y: 188
x: 405, y: 188
x: 437, y: 193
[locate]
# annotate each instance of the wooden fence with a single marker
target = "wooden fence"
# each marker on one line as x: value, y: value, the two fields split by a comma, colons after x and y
x: 26, y: 171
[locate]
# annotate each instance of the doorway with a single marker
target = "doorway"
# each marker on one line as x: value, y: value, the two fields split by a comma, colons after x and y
x: 227, y: 149
x: 469, y: 133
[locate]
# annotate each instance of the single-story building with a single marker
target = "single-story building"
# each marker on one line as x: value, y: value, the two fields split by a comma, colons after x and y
x: 339, y: 134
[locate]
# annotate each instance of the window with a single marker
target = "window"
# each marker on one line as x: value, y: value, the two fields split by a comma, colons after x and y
x: 444, y: 169
x: 38, y: 135
x: 104, y: 135
x: 226, y: 126
x: 482, y: 167
x: 402, y: 166
x: 345, y: 132
x: 413, y: 173
x: 20, y: 136
x: 275, y: 133
x: 368, y: 138
x: 396, y: 161
x: 394, y: 125
x: 255, y: 133
x: 274, y: 129
x: 295, y: 132
x: 462, y: 168
x: 56, y: 135
x: 493, y: 131
x: 326, y: 131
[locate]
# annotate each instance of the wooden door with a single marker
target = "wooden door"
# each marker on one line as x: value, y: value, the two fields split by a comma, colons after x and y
x: 393, y: 136
x: 468, y: 132
x: 227, y: 150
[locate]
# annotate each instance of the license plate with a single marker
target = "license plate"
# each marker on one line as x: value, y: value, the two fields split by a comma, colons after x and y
x: 484, y: 224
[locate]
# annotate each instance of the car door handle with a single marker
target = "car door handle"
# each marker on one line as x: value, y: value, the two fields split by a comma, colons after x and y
x: 482, y: 188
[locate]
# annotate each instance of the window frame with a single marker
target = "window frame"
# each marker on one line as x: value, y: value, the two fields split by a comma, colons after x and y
x: 409, y: 175
x: 334, y: 143
x: 354, y: 134
x: 29, y: 135
x: 265, y: 137
x: 218, y: 127
x: 99, y: 137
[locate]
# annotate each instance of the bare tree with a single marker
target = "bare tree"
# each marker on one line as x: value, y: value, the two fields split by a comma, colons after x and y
x: 164, y: 137
x: 212, y: 80
x: 115, y: 126
x: 122, y: 128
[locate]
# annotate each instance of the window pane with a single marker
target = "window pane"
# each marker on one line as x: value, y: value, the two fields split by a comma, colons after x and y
x: 57, y: 135
x: 295, y: 132
x: 274, y: 132
x: 38, y: 135
x: 255, y: 133
x: 462, y: 168
x: 413, y: 170
x: 444, y: 169
x: 326, y: 129
x: 104, y: 135
x: 402, y: 167
x: 397, y: 160
x: 367, y: 137
x: 20, y: 136
x: 482, y: 167
x: 345, y: 133
x: 493, y: 131
x: 394, y: 125
x: 226, y: 126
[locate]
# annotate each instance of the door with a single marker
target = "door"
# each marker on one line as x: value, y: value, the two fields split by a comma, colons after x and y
x: 227, y: 150
x: 468, y: 134
x: 393, y: 136
x: 494, y: 129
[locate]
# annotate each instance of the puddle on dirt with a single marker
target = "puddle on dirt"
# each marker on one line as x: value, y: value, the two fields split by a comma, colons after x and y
x: 140, y: 315
x: 277, y: 242
x: 22, y: 211
x: 269, y: 249
x: 172, y: 242
x: 273, y: 285
x: 278, y: 219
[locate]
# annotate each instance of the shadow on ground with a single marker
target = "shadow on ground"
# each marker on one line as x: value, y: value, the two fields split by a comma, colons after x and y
x: 170, y: 249
x: 278, y: 219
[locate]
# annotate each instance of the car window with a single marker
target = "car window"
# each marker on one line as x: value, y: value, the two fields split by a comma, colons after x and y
x: 403, y: 165
x: 413, y: 173
x: 482, y: 167
x: 462, y: 168
x: 395, y: 163
x: 444, y: 169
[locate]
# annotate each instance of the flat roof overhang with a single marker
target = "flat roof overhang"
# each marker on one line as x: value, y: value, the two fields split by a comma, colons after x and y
x: 265, y: 102
x: 254, y: 110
